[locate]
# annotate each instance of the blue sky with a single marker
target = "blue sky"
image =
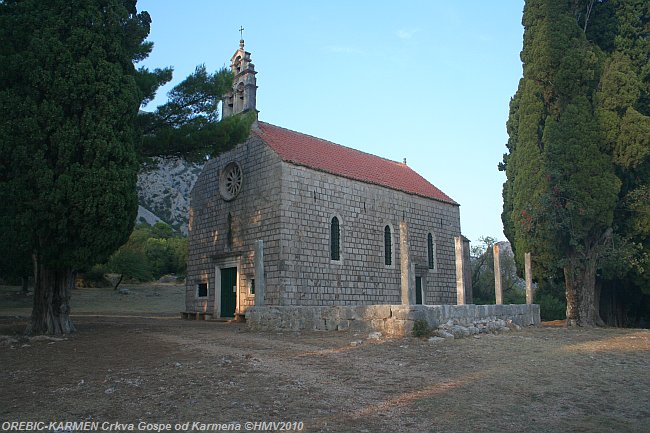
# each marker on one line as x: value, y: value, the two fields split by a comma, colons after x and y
x: 429, y: 81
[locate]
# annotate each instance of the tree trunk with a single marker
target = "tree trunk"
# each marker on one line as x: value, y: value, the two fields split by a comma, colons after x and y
x: 580, y: 284
x: 51, y: 309
x: 118, y: 282
x: 571, y: 296
x: 25, y: 283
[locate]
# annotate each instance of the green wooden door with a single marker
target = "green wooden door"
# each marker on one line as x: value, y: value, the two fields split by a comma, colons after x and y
x: 228, y: 292
x: 418, y: 290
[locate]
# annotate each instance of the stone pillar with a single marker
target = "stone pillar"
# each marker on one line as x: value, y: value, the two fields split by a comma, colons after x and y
x: 460, y: 271
x: 259, y: 273
x: 412, y: 285
x: 528, y: 267
x: 498, y: 291
x: 407, y: 272
x: 467, y: 272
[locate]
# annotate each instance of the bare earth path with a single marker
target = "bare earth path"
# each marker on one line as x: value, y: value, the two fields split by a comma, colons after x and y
x: 164, y: 370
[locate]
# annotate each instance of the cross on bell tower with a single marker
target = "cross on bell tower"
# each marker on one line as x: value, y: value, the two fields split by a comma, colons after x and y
x: 242, y: 97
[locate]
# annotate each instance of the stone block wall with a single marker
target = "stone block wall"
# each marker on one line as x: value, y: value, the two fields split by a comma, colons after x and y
x: 290, y: 208
x: 310, y: 199
x: 390, y: 320
x: 225, y: 231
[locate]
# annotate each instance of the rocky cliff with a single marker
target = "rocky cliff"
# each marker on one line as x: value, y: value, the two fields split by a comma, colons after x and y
x: 164, y: 186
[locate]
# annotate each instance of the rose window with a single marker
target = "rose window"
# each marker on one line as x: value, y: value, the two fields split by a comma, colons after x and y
x: 230, y: 182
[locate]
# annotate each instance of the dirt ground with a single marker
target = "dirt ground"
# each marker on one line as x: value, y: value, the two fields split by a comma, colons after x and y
x: 128, y: 369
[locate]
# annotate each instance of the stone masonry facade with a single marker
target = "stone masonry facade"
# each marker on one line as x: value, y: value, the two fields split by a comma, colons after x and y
x: 290, y: 208
x: 310, y: 199
x: 222, y: 233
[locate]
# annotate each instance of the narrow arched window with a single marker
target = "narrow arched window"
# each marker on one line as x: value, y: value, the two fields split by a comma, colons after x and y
x: 431, y: 248
x: 229, y: 233
x: 335, y: 239
x: 388, y: 247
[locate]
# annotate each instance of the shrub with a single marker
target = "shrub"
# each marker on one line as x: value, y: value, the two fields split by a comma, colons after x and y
x: 159, y: 256
x: 161, y: 230
x: 95, y: 277
x: 150, y: 253
x: 421, y: 329
x: 131, y: 264
x: 551, y: 299
x: 551, y: 308
x: 178, y: 250
x: 514, y: 296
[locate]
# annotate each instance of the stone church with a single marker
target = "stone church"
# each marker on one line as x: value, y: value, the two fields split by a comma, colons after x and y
x: 288, y: 219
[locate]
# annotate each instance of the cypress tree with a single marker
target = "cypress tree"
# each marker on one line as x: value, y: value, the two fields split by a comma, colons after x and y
x: 621, y: 29
x: 68, y: 163
x: 580, y: 198
x: 561, y: 189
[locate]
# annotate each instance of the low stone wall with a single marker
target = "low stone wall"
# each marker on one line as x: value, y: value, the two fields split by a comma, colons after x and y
x: 390, y: 320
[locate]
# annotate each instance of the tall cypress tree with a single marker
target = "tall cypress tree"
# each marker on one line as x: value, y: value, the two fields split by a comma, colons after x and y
x: 621, y: 29
x: 561, y: 190
x: 68, y: 165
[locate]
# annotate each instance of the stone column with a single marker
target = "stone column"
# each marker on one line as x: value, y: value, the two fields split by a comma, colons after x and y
x: 259, y: 273
x: 467, y: 272
x: 407, y: 273
x: 460, y: 271
x: 498, y: 291
x: 412, y: 285
x: 528, y: 267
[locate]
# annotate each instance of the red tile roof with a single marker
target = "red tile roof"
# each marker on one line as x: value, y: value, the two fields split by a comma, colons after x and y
x: 323, y: 155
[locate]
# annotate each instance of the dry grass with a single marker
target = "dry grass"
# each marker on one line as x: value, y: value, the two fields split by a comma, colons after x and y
x: 143, y: 299
x: 163, y: 369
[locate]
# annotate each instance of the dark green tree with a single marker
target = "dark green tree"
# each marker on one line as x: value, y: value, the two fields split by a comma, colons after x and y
x: 561, y: 190
x: 16, y: 268
x: 69, y: 98
x: 188, y: 124
x: 577, y: 166
x: 621, y: 29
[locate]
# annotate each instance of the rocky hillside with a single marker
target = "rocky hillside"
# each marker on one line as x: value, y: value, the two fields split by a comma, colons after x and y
x: 164, y: 186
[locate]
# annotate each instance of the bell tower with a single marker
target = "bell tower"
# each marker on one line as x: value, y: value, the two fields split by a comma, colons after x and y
x: 241, y: 98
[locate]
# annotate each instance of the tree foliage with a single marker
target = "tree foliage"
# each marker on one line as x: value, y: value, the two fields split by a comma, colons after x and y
x: 579, y: 145
x: 188, y: 125
x: 71, y: 139
x: 68, y: 164
x: 150, y: 252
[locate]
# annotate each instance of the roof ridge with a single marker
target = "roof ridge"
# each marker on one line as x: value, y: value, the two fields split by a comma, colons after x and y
x: 337, y: 144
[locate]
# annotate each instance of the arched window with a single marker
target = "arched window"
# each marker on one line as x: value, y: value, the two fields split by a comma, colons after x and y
x: 388, y: 246
x: 229, y: 233
x: 335, y: 239
x: 431, y: 249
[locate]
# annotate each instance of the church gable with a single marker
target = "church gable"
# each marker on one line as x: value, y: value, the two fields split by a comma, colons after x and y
x: 322, y: 155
